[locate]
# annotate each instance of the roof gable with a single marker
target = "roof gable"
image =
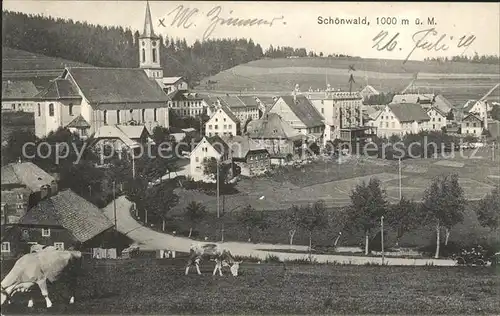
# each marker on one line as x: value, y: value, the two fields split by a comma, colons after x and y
x: 304, y: 110
x: 27, y: 173
x: 240, y: 146
x: 472, y: 117
x: 224, y: 109
x: 409, y: 112
x: 218, y: 144
x: 271, y: 126
x: 78, y: 122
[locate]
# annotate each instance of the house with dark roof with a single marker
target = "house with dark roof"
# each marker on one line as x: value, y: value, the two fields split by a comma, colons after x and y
x: 274, y: 134
x: 249, y: 157
x: 63, y: 220
x: 223, y: 121
x: 18, y: 95
x: 300, y: 113
x: 368, y: 91
x: 207, y: 148
x: 23, y: 185
x: 401, y: 119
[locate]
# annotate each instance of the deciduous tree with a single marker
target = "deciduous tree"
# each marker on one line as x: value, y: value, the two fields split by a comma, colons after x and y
x: 488, y: 210
x: 404, y: 217
x: 444, y: 204
x: 253, y: 219
x: 195, y: 212
x: 368, y: 204
x: 312, y: 218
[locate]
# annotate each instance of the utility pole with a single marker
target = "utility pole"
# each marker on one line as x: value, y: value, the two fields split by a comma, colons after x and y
x: 114, y: 203
x: 133, y: 165
x: 218, y: 203
x: 399, y: 173
x: 493, y: 152
x: 382, y: 237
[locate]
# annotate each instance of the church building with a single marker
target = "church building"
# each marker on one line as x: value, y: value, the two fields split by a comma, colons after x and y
x: 87, y: 98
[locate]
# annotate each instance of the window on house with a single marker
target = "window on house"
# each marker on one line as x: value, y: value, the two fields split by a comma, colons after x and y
x: 439, y: 119
x: 230, y: 126
x: 70, y: 109
x: 209, y: 126
x: 45, y: 232
x: 20, y: 196
x: 216, y: 126
x: 474, y: 131
x: 381, y: 124
x: 51, y: 109
x: 143, y: 115
x: 154, y: 55
x: 26, y: 234
x: 59, y: 245
x: 393, y: 125
x: 117, y: 116
x: 39, y: 110
x: 386, y: 124
x: 224, y: 119
x: 197, y: 159
x: 467, y: 124
x: 5, y: 246
x: 474, y: 124
x: 143, y: 55
x: 225, y: 126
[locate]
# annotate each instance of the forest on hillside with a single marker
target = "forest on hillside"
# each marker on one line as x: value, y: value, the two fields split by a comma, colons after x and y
x: 117, y: 47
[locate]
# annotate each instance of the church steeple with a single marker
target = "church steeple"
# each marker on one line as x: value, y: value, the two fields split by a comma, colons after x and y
x: 148, y: 24
x: 149, y: 48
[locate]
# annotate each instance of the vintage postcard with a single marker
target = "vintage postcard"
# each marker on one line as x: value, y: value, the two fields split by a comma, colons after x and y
x: 205, y: 157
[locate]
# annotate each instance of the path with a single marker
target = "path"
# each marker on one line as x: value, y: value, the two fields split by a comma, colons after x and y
x: 149, y: 239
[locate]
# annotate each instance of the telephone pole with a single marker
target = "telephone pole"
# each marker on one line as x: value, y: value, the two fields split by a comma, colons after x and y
x: 399, y: 173
x: 218, y: 192
x: 114, y: 203
x: 382, y: 237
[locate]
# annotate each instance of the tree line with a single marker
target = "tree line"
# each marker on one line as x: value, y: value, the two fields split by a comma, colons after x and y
x: 287, y: 51
x: 476, y: 58
x: 105, y: 46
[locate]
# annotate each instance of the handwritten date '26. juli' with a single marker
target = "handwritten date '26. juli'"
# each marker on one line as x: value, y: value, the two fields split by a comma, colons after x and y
x: 428, y: 39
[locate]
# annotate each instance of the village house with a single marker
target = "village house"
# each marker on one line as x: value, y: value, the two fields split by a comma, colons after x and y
x: 172, y: 84
x: 248, y: 157
x: 426, y: 100
x: 208, y: 147
x: 108, y: 96
x: 121, y: 139
x: 478, y: 108
x: 471, y: 125
x: 339, y: 110
x: 276, y: 135
x: 301, y: 114
x: 184, y: 103
x: 437, y: 119
x: 400, y: 119
x: 222, y: 122
x: 244, y: 108
x: 63, y: 220
x: 18, y: 95
x: 23, y: 185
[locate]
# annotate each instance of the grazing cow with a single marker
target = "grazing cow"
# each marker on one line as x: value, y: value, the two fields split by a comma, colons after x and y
x: 38, y: 267
x: 222, y: 257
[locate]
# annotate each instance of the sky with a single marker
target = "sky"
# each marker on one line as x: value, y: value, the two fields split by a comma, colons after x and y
x: 297, y: 24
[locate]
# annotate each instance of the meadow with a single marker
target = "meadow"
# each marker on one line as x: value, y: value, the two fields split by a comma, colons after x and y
x: 458, y: 82
x: 158, y: 286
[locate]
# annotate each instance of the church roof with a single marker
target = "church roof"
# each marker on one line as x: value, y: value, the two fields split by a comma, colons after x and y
x: 148, y: 25
x: 60, y: 89
x: 117, y: 88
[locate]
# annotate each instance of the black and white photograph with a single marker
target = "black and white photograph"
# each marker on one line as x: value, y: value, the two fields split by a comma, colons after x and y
x: 250, y: 158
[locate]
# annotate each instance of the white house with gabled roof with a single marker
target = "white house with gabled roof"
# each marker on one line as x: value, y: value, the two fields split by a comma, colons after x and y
x: 208, y: 147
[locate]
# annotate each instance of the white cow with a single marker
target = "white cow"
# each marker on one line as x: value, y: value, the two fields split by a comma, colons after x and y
x: 38, y: 267
x: 222, y: 257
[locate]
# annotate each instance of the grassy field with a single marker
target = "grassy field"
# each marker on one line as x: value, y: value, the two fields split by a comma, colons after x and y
x: 153, y: 286
x: 456, y: 81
